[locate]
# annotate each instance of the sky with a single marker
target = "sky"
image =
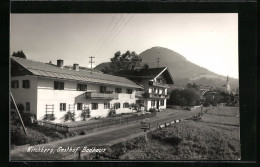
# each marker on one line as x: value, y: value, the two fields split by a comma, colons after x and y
x: 208, y: 40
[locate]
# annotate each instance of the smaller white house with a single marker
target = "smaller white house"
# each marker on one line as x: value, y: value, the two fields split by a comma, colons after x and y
x: 46, y: 89
x: 156, y: 82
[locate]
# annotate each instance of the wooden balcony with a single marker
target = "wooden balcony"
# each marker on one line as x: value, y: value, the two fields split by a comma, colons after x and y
x: 157, y: 84
x: 155, y: 95
x: 97, y: 95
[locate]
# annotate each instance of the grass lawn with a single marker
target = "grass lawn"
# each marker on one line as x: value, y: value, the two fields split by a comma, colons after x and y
x: 214, y: 137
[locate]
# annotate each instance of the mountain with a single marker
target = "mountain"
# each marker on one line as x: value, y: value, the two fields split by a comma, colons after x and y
x: 182, y: 70
x: 102, y: 66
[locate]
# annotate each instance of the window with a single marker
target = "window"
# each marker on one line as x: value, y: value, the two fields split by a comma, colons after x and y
x: 103, y: 89
x: 153, y: 103
x: 155, y: 90
x: 15, y: 84
x: 94, y: 106
x: 58, y: 85
x: 117, y: 105
x: 79, y: 106
x: 126, y: 105
x: 26, y: 84
x: 62, y: 106
x: 162, y: 102
x: 150, y: 90
x: 81, y: 87
x: 118, y: 90
x: 106, y: 105
x: 129, y: 91
x: 27, y: 106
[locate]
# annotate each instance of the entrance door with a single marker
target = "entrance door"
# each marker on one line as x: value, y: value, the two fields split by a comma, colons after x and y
x: 157, y: 104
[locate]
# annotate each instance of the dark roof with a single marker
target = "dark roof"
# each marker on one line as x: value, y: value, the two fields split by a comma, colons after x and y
x: 149, y: 73
x: 144, y: 73
x: 53, y: 71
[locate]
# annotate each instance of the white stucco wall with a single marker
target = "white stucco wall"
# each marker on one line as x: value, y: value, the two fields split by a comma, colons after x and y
x: 22, y: 95
x: 148, y: 104
x: 47, y: 95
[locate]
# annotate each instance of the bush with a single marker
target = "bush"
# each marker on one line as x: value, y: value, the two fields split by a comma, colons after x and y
x: 20, y: 107
x: 184, y: 97
x: 51, y: 132
x: 27, y: 118
x: 112, y: 112
x: 50, y: 117
x: 152, y: 110
x: 85, y: 114
x: 19, y: 138
x: 69, y: 116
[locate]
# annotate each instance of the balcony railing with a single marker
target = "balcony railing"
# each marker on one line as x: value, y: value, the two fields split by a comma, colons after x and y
x: 155, y: 95
x: 159, y: 84
x: 96, y: 95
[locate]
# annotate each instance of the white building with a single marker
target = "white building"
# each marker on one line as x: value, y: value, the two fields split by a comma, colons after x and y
x: 46, y: 89
x: 51, y: 89
x: 156, y: 83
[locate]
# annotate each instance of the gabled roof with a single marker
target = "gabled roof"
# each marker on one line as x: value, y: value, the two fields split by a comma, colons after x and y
x: 52, y: 71
x: 144, y: 73
x: 150, y: 73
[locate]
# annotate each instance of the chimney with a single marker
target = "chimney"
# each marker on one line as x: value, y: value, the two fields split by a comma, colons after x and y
x: 60, y: 63
x: 76, y: 67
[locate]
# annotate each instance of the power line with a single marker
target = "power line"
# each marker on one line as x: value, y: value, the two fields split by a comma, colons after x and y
x: 103, y: 35
x: 109, y: 29
x: 119, y: 31
x: 104, y: 42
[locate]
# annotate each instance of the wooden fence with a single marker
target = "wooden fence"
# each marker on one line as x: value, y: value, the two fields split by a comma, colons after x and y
x: 95, y: 125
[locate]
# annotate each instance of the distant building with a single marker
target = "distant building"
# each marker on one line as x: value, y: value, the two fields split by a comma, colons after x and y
x: 156, y: 83
x: 227, y: 86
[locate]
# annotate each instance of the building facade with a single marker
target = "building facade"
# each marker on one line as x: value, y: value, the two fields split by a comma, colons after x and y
x: 155, y: 81
x: 51, y: 89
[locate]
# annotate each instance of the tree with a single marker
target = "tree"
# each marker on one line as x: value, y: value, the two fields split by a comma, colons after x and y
x: 125, y: 61
x: 19, y: 54
x: 146, y: 66
x: 194, y: 86
x: 184, y: 97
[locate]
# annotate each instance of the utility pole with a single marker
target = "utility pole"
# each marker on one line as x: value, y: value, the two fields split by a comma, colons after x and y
x: 158, y: 61
x: 91, y: 62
